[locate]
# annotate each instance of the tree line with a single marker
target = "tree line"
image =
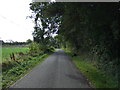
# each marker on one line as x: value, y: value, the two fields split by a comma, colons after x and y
x: 16, y: 42
x: 85, y: 28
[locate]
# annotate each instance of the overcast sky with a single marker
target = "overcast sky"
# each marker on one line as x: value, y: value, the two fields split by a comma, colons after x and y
x: 13, y: 23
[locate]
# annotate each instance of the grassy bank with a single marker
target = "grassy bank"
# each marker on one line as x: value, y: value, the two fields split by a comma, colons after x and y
x: 16, y: 69
x: 96, y: 77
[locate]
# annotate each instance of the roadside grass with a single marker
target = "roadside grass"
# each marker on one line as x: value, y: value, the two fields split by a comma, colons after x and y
x: 6, y: 51
x: 96, y: 77
x: 0, y: 81
x: 19, y: 68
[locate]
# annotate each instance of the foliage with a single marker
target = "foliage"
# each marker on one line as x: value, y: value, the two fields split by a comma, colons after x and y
x: 90, y: 28
x: 98, y: 78
x: 13, y: 43
x: 44, y: 28
x: 29, y: 41
x: 13, y: 71
x: 35, y: 48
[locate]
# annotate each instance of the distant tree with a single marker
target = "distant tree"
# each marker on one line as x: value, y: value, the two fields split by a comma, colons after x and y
x: 29, y: 41
x: 1, y: 41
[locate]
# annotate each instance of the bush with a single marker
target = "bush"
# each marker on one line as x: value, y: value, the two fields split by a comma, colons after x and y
x: 38, y: 49
x: 35, y: 49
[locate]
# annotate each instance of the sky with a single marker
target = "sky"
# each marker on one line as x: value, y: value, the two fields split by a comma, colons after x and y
x: 13, y: 23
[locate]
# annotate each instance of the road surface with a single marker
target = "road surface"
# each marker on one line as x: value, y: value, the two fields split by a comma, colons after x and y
x: 57, y: 71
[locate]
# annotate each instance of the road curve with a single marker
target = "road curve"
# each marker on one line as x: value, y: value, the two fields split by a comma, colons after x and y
x: 56, y: 71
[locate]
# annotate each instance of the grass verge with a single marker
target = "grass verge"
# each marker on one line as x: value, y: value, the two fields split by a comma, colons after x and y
x: 18, y: 69
x: 96, y: 77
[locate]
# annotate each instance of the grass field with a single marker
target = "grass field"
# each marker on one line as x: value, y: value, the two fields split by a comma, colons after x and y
x: 6, y: 51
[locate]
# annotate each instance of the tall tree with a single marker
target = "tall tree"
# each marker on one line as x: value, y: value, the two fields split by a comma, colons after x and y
x: 92, y: 28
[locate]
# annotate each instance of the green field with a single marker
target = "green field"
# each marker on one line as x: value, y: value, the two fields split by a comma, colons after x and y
x: 6, y: 51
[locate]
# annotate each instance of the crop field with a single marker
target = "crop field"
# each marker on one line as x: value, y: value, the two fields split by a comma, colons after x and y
x: 7, y: 50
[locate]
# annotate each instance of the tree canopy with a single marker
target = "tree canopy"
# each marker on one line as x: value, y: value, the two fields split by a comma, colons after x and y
x: 90, y: 28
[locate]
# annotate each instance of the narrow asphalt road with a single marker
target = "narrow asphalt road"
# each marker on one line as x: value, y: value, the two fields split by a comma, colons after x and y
x: 56, y: 71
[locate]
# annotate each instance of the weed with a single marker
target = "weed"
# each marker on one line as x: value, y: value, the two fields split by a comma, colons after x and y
x: 14, y: 70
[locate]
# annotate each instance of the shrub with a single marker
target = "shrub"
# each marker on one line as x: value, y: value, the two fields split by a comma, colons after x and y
x: 35, y: 49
